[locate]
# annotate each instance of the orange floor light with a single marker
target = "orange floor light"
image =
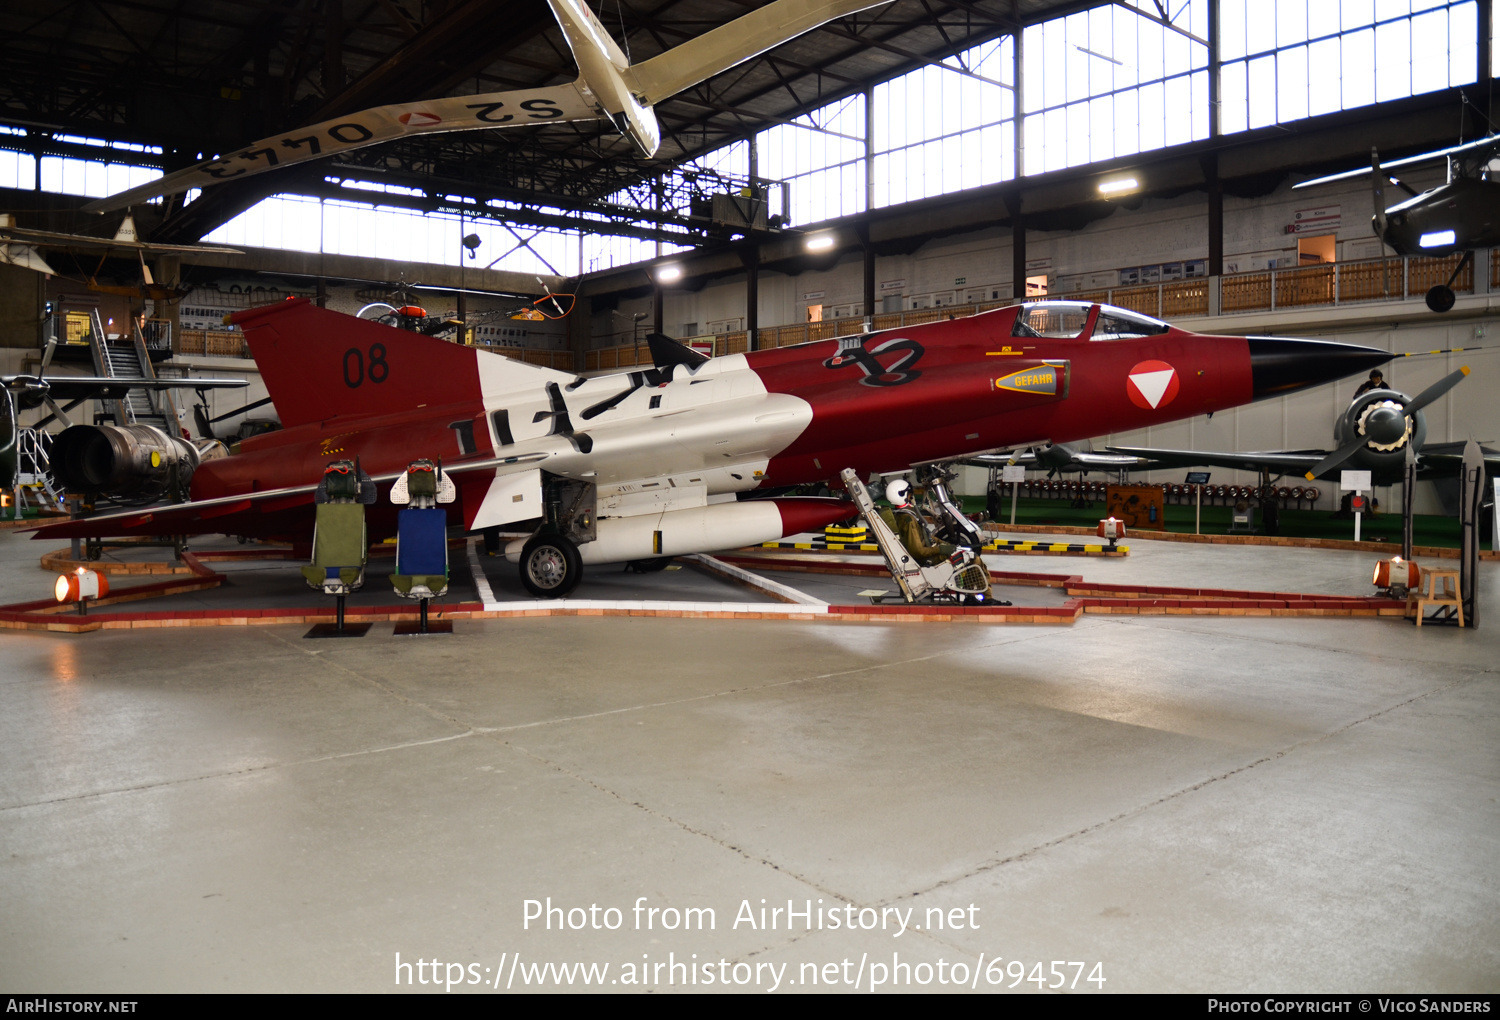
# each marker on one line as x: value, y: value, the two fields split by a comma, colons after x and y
x: 1112, y: 529
x: 81, y: 586
x: 1396, y: 575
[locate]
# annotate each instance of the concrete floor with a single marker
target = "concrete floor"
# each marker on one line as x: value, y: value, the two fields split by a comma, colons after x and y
x: 1194, y: 804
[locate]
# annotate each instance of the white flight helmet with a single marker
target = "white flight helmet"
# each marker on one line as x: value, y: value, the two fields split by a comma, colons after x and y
x: 898, y: 492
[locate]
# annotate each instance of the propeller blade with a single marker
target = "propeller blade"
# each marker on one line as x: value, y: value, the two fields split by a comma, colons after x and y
x: 1335, y: 458
x: 1436, y: 390
x: 47, y: 355
x: 57, y: 412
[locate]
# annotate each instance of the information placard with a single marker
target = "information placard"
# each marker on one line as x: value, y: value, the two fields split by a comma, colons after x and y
x: 1354, y: 481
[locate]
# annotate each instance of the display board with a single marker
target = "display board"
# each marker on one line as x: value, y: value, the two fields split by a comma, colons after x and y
x: 1139, y: 506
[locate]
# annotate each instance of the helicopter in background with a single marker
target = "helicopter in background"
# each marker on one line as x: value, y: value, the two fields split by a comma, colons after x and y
x: 1460, y: 215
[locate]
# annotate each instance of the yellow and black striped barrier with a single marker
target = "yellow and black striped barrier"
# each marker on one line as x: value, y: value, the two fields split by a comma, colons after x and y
x: 1057, y: 548
x: 1016, y: 546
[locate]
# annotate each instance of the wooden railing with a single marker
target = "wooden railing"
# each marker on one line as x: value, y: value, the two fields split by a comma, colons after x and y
x: 629, y: 355
x: 1342, y: 283
x: 560, y: 360
x: 213, y: 343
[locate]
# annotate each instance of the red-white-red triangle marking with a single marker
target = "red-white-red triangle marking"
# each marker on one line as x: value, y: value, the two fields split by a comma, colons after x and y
x: 1153, y: 385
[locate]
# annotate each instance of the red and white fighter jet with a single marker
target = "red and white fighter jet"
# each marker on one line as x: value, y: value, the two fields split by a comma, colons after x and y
x: 669, y: 460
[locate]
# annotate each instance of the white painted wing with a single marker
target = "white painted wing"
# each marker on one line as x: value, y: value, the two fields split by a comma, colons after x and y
x: 749, y: 36
x: 519, y: 108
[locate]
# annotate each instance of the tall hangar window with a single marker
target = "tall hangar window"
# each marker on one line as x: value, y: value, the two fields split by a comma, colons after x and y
x: 72, y: 175
x: 299, y: 223
x: 1113, y: 81
x: 1301, y: 58
x: 946, y: 127
x: 821, y: 157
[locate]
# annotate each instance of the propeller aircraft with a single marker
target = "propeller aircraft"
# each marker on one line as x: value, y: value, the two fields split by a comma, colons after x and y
x: 1373, y: 434
x: 1460, y: 215
x: 20, y: 247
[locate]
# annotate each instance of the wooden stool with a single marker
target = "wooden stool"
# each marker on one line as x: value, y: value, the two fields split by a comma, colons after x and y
x: 1426, y: 594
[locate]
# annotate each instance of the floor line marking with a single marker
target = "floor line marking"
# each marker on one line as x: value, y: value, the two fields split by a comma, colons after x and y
x: 481, y: 583
x: 756, y: 581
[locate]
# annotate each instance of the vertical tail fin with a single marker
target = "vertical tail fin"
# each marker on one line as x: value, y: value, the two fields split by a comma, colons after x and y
x: 318, y: 364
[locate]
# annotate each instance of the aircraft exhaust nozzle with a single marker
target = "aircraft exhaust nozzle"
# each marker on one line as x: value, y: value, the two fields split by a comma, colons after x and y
x: 136, y: 462
x: 704, y: 528
x: 1279, y: 365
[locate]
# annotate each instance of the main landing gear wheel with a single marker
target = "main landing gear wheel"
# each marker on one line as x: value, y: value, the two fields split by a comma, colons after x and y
x: 550, y: 566
x: 1440, y: 298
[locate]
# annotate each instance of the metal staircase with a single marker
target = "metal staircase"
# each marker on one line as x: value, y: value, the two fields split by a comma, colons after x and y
x: 129, y: 359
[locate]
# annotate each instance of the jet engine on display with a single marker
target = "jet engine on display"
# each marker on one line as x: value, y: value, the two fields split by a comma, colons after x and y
x: 124, y: 463
x: 692, y: 454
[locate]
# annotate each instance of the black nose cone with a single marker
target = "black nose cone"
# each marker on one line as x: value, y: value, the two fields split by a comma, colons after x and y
x: 1280, y: 366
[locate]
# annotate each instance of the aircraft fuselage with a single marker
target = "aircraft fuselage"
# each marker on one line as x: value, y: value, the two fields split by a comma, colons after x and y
x: 1461, y: 215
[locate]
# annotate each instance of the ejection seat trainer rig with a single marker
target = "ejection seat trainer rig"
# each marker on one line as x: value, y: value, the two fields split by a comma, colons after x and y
x: 960, y: 577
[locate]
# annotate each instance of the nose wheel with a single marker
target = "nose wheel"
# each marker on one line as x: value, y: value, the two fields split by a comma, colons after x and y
x: 550, y: 566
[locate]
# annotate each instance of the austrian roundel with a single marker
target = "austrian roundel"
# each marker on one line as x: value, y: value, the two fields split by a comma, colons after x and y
x: 1152, y: 385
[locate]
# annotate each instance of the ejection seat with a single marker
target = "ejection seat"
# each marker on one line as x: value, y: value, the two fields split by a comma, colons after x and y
x: 422, y: 540
x: 340, y: 540
x: 925, y: 570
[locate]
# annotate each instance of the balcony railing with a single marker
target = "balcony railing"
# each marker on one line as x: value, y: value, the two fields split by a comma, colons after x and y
x: 1338, y: 283
x: 213, y: 343
x: 1333, y: 283
x: 560, y: 360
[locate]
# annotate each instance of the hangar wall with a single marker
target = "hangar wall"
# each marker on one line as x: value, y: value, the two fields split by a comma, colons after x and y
x: 1159, y: 230
x: 1256, y: 230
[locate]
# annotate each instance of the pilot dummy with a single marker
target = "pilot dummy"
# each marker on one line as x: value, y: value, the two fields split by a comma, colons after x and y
x: 910, y: 527
x: 1375, y: 382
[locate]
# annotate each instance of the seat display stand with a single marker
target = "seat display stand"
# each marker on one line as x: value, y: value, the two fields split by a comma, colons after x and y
x: 338, y: 628
x: 416, y: 628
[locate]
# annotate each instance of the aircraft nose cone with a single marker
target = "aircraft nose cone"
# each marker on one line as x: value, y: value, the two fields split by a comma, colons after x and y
x: 1278, y: 365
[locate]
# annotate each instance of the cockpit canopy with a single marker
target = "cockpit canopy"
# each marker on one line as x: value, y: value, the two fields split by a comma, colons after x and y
x: 1067, y: 320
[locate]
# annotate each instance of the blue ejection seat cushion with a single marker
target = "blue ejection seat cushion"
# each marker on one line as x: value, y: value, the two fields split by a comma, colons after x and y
x: 421, y: 552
